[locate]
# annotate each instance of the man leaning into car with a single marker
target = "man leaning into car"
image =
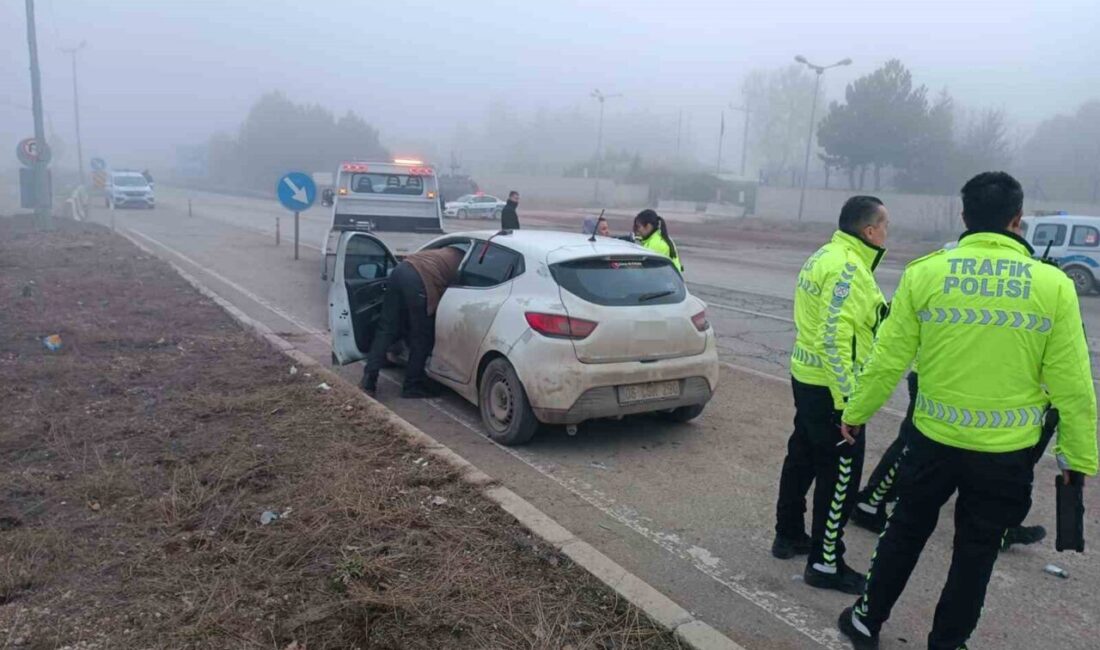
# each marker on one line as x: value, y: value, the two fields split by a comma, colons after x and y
x: 413, y: 293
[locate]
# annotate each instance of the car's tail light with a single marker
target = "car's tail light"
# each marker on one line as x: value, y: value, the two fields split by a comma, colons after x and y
x: 700, y: 321
x: 560, y: 327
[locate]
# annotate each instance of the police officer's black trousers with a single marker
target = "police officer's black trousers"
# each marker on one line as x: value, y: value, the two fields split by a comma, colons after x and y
x: 994, y: 493
x: 881, y: 488
x: 813, y: 456
x: 404, y: 315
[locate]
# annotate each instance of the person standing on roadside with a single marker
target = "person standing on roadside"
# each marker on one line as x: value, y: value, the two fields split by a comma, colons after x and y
x: 998, y: 337
x: 413, y: 292
x: 651, y: 231
x: 837, y: 310
x: 509, y: 219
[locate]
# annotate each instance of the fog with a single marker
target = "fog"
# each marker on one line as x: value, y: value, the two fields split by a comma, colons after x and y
x: 430, y: 74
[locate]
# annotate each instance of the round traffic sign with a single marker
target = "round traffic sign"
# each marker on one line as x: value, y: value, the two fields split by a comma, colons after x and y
x: 29, y: 152
x: 98, y: 164
x: 296, y: 191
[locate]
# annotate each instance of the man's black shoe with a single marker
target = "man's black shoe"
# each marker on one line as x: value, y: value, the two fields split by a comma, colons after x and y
x: 785, y: 548
x: 872, y: 521
x: 420, y: 391
x: 860, y: 641
x: 846, y: 579
x: 369, y: 385
x: 1023, y: 535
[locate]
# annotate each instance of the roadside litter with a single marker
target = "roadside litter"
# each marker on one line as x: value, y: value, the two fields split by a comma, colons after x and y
x: 324, y: 386
x: 270, y: 516
x: 52, y: 342
x: 1056, y: 570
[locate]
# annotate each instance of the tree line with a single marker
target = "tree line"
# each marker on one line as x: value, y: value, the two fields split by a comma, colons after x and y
x: 279, y: 135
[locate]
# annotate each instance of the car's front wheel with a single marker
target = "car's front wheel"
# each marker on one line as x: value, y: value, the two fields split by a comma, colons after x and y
x: 497, y: 214
x: 461, y: 214
x: 1083, y: 281
x: 684, y: 413
x: 505, y: 411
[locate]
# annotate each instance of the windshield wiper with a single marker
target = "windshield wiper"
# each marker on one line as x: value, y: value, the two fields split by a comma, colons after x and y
x: 646, y: 297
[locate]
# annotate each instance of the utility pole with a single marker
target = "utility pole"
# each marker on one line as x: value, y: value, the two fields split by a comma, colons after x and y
x: 820, y: 70
x: 42, y: 208
x: 601, y: 98
x: 744, y: 135
x: 679, y: 131
x: 721, y: 138
x: 76, y: 109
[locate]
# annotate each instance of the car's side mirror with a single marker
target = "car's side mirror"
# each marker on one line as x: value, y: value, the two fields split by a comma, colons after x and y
x: 327, y: 197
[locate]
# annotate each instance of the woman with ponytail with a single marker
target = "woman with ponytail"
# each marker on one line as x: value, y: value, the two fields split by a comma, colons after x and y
x: 652, y: 233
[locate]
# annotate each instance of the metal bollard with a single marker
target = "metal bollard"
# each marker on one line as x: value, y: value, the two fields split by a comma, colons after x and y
x: 276, y: 231
x: 296, y: 214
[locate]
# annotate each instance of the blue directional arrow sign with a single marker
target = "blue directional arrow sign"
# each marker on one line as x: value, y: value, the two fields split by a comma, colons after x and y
x: 99, y: 164
x: 296, y: 191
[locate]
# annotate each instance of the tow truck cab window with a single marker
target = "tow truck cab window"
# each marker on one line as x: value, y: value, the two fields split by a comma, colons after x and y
x: 1085, y: 236
x: 366, y: 259
x: 488, y: 267
x: 1049, y: 232
x: 401, y: 184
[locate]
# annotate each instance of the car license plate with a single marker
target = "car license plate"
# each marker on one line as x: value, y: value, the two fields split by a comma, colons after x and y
x: 652, y: 390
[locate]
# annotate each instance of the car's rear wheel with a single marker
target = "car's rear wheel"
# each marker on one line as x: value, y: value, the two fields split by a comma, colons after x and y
x: 497, y: 214
x: 461, y: 214
x: 1083, y: 281
x: 684, y: 413
x: 505, y: 411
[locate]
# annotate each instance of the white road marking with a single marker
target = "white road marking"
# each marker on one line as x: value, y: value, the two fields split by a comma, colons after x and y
x: 236, y: 287
x: 750, y: 311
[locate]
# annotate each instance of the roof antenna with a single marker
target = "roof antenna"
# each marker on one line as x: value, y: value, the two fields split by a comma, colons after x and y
x: 596, y: 226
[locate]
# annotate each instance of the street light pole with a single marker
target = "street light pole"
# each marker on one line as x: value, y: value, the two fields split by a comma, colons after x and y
x: 76, y: 109
x: 41, y: 182
x: 601, y: 98
x: 820, y: 70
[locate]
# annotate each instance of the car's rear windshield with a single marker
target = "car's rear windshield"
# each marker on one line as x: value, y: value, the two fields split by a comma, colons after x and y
x: 621, y: 282
x: 376, y: 183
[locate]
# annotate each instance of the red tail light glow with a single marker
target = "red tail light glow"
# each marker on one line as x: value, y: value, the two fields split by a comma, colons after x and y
x: 700, y: 321
x: 560, y: 327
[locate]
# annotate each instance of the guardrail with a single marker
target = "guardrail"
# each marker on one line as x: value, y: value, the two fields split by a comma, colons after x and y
x: 78, y: 203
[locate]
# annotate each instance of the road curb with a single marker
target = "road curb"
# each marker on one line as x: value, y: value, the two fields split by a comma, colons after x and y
x: 658, y: 607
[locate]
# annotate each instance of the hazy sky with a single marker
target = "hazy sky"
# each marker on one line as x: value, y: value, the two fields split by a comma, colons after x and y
x: 160, y: 72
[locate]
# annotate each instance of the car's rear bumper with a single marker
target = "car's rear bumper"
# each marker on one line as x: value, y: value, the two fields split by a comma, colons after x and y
x: 603, y: 402
x: 571, y: 392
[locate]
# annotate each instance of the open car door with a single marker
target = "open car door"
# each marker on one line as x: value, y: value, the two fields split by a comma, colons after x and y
x: 363, y: 266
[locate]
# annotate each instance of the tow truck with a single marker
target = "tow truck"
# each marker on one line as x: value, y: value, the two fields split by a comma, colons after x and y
x: 397, y: 196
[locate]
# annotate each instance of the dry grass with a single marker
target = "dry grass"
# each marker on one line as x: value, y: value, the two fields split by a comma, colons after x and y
x: 135, y: 465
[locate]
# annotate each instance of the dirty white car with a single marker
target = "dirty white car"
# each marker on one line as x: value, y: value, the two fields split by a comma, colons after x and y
x: 547, y: 327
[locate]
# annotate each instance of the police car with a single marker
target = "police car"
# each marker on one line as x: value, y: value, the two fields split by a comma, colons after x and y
x: 1074, y: 244
x: 475, y: 206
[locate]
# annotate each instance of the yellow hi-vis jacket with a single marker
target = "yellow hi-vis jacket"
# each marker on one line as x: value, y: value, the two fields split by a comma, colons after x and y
x: 990, y: 327
x: 837, y: 308
x: 657, y: 243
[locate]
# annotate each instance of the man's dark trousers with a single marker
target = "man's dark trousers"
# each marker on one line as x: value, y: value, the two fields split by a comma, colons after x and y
x: 813, y: 455
x: 405, y: 308
x: 882, y: 486
x: 994, y: 494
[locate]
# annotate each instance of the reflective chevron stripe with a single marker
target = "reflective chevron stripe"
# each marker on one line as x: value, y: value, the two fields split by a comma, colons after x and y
x: 993, y: 317
x: 806, y: 357
x: 836, y: 511
x: 832, y: 322
x: 984, y: 419
x: 884, y: 486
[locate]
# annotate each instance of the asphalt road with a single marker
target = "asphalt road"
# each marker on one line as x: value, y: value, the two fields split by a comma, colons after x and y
x: 687, y: 507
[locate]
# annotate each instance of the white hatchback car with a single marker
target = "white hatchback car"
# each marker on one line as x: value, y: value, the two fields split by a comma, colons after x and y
x: 549, y: 327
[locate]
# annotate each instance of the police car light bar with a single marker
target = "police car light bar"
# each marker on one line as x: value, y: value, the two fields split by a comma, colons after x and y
x: 353, y: 167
